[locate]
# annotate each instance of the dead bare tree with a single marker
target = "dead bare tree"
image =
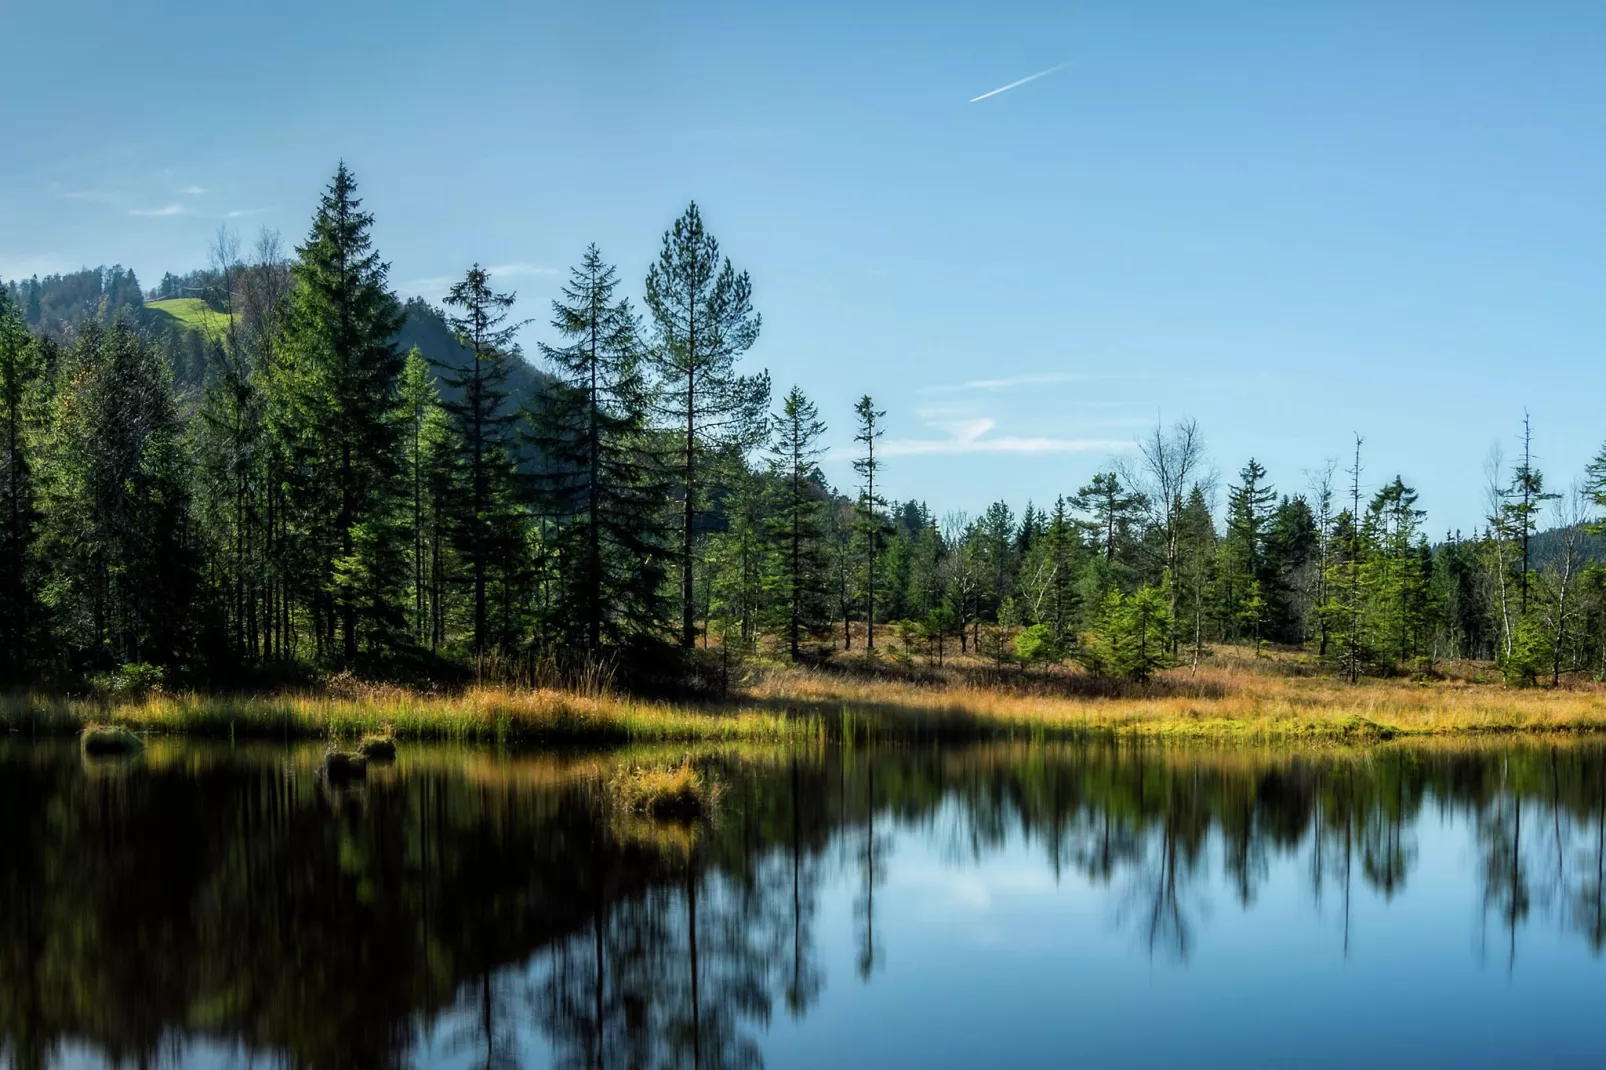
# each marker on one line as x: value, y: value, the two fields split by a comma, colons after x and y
x: 1168, y: 461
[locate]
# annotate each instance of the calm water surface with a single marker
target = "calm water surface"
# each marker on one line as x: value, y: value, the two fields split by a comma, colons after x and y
x: 209, y: 906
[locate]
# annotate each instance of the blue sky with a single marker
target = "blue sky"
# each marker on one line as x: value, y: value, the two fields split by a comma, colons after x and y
x: 1290, y: 221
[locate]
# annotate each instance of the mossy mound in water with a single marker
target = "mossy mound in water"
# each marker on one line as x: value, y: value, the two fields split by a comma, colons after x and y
x: 110, y: 739
x: 378, y: 748
x: 679, y: 794
x: 338, y: 765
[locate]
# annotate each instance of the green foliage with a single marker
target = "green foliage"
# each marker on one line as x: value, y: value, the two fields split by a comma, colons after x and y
x: 702, y: 312
x: 1038, y: 645
x: 1129, y: 636
x: 333, y: 397
x: 599, y: 481
x: 487, y: 518
x: 22, y: 417
x: 115, y: 500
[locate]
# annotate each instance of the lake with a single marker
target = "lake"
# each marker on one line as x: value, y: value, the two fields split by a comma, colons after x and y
x: 208, y: 905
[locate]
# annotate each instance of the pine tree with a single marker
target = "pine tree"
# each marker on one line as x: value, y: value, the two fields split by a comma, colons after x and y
x: 1049, y: 574
x: 869, y: 520
x: 489, y: 530
x: 115, y: 502
x: 600, y: 479
x: 22, y: 384
x: 1113, y: 510
x: 703, y: 312
x: 336, y: 395
x: 796, y: 526
x: 430, y: 451
x: 1524, y: 499
x: 1249, y: 511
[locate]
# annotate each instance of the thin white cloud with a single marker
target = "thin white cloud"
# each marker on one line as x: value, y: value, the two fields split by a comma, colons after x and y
x: 431, y: 288
x: 1007, y: 383
x: 1023, y: 81
x: 1012, y: 382
x: 520, y: 268
x: 192, y: 191
x: 93, y: 196
x: 166, y: 209
x: 238, y: 212
x: 975, y: 436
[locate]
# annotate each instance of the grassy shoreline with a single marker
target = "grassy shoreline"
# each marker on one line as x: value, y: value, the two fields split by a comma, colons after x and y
x: 1235, y: 698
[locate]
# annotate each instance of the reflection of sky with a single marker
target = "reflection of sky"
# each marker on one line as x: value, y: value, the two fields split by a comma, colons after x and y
x: 991, y: 963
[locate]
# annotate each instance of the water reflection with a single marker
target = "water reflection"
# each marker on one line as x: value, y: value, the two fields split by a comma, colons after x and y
x: 467, y: 909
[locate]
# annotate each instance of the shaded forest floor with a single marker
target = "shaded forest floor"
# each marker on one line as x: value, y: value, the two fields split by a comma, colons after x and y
x: 1234, y: 696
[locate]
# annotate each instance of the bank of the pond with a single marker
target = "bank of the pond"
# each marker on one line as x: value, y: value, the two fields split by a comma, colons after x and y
x: 1233, y: 703
x: 479, y: 715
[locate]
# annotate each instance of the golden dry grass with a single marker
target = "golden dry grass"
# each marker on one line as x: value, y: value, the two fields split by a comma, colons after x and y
x: 679, y: 793
x: 479, y: 714
x: 1234, y: 697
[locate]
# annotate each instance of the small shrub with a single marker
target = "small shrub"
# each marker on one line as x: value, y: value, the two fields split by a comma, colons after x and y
x: 131, y: 680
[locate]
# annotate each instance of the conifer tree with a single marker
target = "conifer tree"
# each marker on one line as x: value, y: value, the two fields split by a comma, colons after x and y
x: 337, y: 394
x: 1249, y: 511
x: 796, y: 525
x: 115, y: 501
x: 869, y: 519
x: 1049, y: 574
x: 600, y: 479
x: 1525, y: 499
x: 430, y: 451
x: 21, y: 410
x: 703, y: 313
x: 484, y: 420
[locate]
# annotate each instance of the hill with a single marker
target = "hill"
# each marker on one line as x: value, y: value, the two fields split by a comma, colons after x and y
x: 426, y: 328
x: 187, y: 312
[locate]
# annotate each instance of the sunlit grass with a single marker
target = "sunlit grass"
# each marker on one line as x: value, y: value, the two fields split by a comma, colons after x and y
x: 109, y: 739
x: 480, y: 714
x: 191, y: 312
x: 1234, y: 697
x: 674, y: 793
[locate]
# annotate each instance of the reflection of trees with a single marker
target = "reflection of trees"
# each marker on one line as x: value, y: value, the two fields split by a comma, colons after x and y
x: 871, y: 857
x: 216, y: 897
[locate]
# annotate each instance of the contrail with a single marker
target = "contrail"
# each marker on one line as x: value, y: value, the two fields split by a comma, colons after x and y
x: 1023, y: 81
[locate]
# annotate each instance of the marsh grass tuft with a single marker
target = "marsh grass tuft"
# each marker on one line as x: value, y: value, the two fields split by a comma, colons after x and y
x: 98, y: 739
x: 339, y: 766
x: 379, y: 746
x: 680, y: 793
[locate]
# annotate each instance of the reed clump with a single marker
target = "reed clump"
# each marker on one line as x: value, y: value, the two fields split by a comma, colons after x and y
x: 378, y: 746
x: 109, y: 739
x: 340, y: 766
x: 679, y: 793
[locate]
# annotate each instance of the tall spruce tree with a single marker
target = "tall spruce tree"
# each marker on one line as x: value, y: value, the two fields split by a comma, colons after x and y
x: 1525, y: 499
x: 337, y: 396
x: 480, y: 410
x: 600, y: 478
x: 796, y: 524
x: 703, y: 314
x: 430, y: 452
x: 869, y: 518
x: 1250, y: 505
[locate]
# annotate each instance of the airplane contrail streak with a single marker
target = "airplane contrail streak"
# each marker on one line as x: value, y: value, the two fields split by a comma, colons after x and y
x: 1023, y: 81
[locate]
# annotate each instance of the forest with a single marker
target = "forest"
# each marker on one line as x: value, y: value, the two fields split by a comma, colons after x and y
x: 322, y: 478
